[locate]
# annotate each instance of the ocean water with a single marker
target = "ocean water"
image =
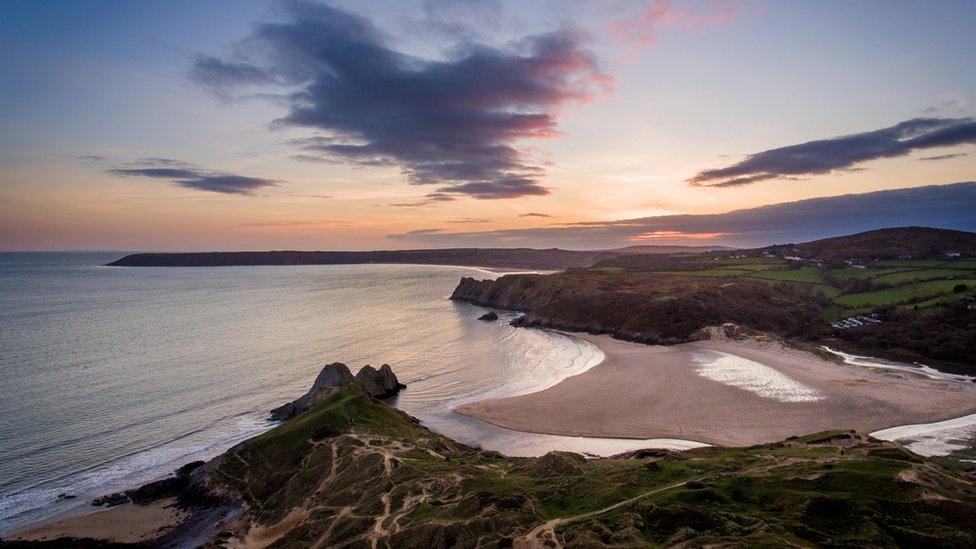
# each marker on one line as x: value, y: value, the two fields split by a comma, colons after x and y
x: 111, y: 377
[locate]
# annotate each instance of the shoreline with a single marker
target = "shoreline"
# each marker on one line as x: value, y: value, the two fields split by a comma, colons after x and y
x: 643, y: 392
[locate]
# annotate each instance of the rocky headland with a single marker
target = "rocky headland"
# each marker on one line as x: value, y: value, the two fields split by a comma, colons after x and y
x: 349, y: 470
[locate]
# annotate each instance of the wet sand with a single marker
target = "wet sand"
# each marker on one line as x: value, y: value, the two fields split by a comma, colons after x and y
x: 644, y: 391
x: 128, y: 523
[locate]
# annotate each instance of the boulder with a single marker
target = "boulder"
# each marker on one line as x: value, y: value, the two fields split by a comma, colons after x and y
x: 490, y: 315
x: 111, y: 500
x: 731, y: 330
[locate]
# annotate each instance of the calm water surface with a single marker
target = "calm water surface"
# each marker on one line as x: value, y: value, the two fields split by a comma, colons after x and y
x: 111, y: 377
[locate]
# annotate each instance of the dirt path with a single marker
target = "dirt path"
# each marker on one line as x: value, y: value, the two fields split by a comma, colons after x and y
x: 544, y: 535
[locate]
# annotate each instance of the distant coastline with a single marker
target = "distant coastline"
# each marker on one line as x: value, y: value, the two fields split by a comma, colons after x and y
x: 504, y: 258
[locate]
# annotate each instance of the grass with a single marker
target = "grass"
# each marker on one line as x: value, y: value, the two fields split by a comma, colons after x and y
x: 710, y: 272
x: 357, y: 454
x: 809, y: 275
x: 902, y: 294
x: 930, y: 306
x: 906, y: 263
x: 969, y: 263
x: 849, y: 272
x: 920, y: 274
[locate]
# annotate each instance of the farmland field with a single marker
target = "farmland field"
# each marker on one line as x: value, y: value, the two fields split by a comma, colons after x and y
x: 901, y: 294
x: 810, y: 275
x: 922, y: 274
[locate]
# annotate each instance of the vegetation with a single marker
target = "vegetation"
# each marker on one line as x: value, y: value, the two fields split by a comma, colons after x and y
x: 668, y: 298
x: 354, y: 471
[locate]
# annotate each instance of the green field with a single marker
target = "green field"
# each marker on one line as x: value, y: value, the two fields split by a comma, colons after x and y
x: 901, y: 294
x: 961, y: 263
x: 917, y: 284
x: 907, y: 263
x: 849, y: 272
x: 921, y: 274
x: 710, y: 272
x: 810, y: 275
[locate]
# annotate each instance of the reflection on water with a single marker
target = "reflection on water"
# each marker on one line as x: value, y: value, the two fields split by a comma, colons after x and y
x: 110, y: 377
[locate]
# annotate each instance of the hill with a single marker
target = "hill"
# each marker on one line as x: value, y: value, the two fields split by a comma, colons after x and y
x: 352, y: 471
x: 893, y: 243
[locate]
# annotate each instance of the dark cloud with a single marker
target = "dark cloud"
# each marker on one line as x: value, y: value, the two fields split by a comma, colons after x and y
x: 944, y: 206
x: 454, y: 123
x: 91, y: 158
x: 534, y: 214
x: 471, y: 220
x: 422, y: 232
x: 942, y: 157
x: 432, y: 198
x: 217, y: 75
x: 186, y: 175
x: 949, y: 104
x: 842, y: 153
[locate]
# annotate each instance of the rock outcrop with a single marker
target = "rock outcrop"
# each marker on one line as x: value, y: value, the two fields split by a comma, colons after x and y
x: 381, y: 383
x: 490, y: 315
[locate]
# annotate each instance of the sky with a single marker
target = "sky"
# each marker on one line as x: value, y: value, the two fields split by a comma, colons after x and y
x: 233, y: 125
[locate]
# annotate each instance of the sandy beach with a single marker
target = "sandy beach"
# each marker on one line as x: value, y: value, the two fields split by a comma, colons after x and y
x: 724, y: 392
x: 128, y: 523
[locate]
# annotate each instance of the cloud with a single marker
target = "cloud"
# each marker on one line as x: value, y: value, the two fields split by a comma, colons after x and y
x: 91, y: 158
x: 643, y: 29
x: 456, y: 122
x: 945, y: 206
x: 942, y: 156
x: 534, y: 214
x: 842, y: 153
x: 432, y: 198
x: 422, y: 232
x: 954, y: 104
x: 471, y: 220
x: 186, y: 175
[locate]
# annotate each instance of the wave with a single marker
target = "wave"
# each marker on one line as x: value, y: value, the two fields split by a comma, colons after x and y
x: 44, y: 499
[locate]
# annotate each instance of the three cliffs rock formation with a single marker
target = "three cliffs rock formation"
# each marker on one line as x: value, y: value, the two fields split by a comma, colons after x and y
x: 382, y: 383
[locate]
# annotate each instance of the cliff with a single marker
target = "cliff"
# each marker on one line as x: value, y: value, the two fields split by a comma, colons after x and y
x: 647, y: 307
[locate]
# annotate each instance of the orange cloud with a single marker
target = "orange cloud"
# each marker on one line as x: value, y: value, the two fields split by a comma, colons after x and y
x: 656, y: 235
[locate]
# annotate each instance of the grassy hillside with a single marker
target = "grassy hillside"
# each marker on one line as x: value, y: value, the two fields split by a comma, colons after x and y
x: 925, y: 308
x: 353, y: 471
x: 918, y: 242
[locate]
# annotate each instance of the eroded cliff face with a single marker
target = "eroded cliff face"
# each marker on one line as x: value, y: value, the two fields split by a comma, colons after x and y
x: 657, y: 309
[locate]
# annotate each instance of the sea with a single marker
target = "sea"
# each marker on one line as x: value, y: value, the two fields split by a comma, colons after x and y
x: 111, y: 377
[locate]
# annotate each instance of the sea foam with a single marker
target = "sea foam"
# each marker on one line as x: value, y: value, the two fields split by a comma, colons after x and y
x: 752, y: 376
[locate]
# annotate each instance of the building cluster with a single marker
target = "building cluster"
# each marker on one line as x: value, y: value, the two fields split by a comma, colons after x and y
x: 854, y: 322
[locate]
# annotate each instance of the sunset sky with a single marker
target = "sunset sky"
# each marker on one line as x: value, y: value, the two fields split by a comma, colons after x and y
x: 368, y: 124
